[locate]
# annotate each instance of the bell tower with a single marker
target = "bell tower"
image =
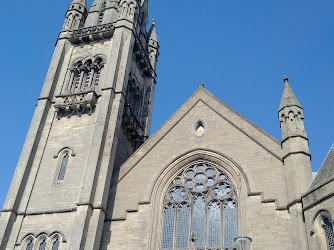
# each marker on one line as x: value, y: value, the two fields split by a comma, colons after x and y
x: 94, y: 111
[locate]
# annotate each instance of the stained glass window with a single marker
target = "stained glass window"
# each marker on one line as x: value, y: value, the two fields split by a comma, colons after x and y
x: 199, y: 221
x: 328, y: 228
x: 168, y: 227
x: 230, y: 224
x: 183, y: 226
x: 63, y: 167
x: 200, y: 205
x: 214, y: 225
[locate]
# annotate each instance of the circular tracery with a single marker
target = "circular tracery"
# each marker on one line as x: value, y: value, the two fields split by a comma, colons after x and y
x: 201, y: 178
x: 200, y: 202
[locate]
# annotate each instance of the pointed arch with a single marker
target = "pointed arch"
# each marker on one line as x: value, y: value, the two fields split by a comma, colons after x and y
x: 63, y: 159
x: 324, y: 230
x: 28, y: 242
x: 84, y: 74
x: 217, y: 185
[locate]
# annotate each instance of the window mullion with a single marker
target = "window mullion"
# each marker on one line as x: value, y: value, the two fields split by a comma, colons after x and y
x: 206, y: 222
x: 175, y: 226
x: 222, y: 223
x: 191, y: 219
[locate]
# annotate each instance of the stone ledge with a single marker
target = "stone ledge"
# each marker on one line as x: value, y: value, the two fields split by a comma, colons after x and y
x: 68, y: 105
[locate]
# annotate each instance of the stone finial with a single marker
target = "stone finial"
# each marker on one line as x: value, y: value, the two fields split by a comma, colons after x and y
x: 154, y: 21
x: 201, y: 85
x: 286, y: 79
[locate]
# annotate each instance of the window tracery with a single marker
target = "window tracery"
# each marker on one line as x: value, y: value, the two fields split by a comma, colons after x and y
x: 200, y: 203
x: 327, y: 226
x: 85, y: 75
x: 80, y: 94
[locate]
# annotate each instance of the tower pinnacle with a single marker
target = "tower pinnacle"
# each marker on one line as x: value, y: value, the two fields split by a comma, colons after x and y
x: 288, y: 98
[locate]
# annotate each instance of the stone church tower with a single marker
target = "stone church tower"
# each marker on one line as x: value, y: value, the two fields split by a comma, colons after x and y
x: 94, y: 111
x: 90, y: 178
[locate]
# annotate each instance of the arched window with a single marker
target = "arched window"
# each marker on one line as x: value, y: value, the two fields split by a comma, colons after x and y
x: 327, y: 226
x: 30, y: 245
x: 63, y: 166
x: 201, y: 206
x: 55, y: 245
x: 42, y: 246
x: 84, y: 76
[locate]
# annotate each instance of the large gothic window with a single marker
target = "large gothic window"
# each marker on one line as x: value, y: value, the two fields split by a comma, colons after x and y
x: 328, y: 229
x: 200, y: 206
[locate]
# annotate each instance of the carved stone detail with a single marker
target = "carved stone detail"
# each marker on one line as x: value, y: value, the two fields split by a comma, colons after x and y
x: 131, y: 127
x: 76, y: 104
x: 97, y: 32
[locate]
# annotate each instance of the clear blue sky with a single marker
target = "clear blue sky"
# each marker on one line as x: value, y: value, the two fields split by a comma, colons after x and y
x: 240, y: 49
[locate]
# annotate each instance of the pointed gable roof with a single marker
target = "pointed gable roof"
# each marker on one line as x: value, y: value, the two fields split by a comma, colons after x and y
x: 262, y: 138
x: 288, y: 98
x: 151, y: 158
x: 326, y: 170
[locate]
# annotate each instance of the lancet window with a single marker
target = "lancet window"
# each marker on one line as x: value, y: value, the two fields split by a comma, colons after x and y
x: 85, y: 75
x: 327, y: 226
x: 200, y: 208
x: 63, y: 167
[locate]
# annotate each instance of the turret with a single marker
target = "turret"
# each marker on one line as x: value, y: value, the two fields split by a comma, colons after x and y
x: 153, y: 45
x: 75, y: 15
x: 294, y: 143
x: 102, y: 12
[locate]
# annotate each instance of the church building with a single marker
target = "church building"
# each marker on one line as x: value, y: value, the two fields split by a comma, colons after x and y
x: 90, y: 177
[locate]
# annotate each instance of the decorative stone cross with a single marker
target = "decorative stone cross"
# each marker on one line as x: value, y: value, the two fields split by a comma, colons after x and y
x: 286, y: 79
x: 154, y: 21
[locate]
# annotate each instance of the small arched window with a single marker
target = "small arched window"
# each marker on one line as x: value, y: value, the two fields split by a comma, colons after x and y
x: 55, y: 245
x: 200, y: 206
x: 327, y: 226
x: 85, y: 75
x: 30, y: 245
x: 42, y: 246
x: 63, y: 167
